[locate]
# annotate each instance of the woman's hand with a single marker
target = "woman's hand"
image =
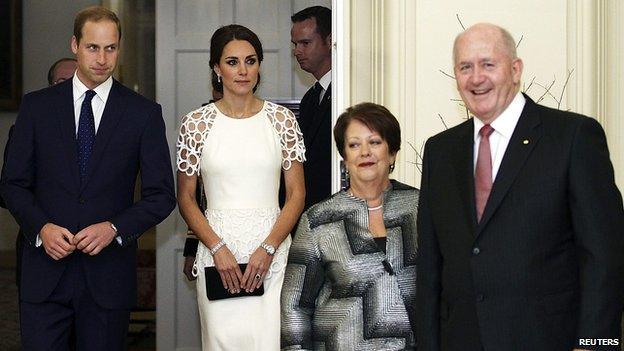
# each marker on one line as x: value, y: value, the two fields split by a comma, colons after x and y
x: 256, y: 270
x: 228, y: 269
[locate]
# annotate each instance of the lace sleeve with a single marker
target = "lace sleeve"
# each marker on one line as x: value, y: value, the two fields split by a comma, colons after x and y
x: 193, y: 131
x: 291, y: 139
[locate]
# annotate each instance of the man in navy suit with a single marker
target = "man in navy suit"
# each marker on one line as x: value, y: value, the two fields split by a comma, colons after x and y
x: 520, y: 222
x: 70, y: 176
x: 311, y: 38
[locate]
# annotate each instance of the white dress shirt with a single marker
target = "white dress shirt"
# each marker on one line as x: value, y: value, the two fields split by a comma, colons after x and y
x: 504, y: 126
x: 97, y: 103
x: 325, y: 81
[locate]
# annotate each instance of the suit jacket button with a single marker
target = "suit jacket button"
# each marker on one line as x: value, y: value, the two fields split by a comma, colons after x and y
x: 476, y: 251
x: 480, y: 297
x: 81, y: 200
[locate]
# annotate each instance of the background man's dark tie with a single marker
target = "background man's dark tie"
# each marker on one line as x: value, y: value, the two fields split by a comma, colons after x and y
x: 86, y: 134
x: 316, y: 93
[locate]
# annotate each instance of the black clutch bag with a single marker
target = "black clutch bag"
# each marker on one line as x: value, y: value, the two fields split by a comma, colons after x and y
x: 216, y: 291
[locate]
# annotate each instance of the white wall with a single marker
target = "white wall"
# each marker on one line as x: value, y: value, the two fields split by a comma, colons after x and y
x: 396, y: 50
x: 47, y: 28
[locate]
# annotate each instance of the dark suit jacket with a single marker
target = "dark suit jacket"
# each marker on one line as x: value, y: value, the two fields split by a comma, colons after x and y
x: 6, y: 152
x: 18, y: 239
x: 315, y: 123
x: 42, y: 184
x: 545, y: 265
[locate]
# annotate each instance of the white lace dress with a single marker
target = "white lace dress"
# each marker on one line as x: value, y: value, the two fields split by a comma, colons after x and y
x: 240, y: 161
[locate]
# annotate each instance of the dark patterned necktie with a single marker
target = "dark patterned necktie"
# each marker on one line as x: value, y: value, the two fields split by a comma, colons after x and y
x: 483, y: 173
x: 316, y: 93
x: 86, y: 134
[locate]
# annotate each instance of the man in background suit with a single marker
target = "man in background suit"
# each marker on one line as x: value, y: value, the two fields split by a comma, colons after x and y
x: 70, y: 175
x: 60, y: 71
x: 311, y: 38
x: 520, y: 221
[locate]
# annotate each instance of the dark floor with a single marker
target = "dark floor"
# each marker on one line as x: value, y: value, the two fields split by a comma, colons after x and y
x: 142, y: 336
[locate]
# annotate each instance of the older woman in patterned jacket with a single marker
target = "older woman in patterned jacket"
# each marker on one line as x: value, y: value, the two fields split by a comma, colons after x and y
x: 350, y: 282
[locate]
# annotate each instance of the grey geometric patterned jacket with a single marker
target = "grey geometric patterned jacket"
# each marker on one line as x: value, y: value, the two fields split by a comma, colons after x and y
x: 341, y: 292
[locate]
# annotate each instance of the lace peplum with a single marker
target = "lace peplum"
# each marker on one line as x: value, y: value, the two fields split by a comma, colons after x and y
x: 243, y: 231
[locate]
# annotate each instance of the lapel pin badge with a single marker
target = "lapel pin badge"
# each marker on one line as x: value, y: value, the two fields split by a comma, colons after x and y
x: 525, y: 141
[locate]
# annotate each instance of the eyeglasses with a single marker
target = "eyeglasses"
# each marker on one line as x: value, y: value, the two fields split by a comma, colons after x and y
x: 60, y: 80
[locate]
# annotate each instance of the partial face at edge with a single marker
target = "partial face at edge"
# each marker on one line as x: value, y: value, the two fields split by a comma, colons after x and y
x: 63, y: 71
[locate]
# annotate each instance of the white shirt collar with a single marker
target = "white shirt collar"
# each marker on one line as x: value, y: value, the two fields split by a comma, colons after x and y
x: 325, y: 80
x: 101, y: 90
x: 506, y: 122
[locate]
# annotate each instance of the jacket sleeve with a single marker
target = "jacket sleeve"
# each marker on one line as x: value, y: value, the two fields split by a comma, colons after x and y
x: 18, y: 174
x: 428, y: 285
x: 157, y: 194
x: 598, y: 225
x: 4, y: 159
x: 303, y: 280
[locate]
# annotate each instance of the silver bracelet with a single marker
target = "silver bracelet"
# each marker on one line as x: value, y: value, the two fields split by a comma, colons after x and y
x: 216, y: 248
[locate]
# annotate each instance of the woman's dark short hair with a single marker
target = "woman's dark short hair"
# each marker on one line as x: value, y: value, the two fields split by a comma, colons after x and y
x: 377, y: 118
x: 221, y: 38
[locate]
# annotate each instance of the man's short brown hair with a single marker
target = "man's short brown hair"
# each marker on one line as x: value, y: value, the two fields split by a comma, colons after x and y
x: 94, y: 14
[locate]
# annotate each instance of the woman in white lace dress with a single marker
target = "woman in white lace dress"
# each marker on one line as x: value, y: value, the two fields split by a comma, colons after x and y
x: 240, y: 145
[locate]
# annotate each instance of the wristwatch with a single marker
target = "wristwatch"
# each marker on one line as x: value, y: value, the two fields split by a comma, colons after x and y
x: 270, y: 249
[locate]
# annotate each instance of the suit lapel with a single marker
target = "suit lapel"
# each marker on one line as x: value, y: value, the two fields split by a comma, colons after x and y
x: 67, y: 124
x: 113, y: 111
x: 464, y: 173
x: 307, y: 111
x: 316, y: 119
x: 523, y: 140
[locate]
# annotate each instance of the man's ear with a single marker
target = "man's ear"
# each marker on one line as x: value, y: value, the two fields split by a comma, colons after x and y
x: 74, y: 44
x: 328, y: 40
x: 516, y: 66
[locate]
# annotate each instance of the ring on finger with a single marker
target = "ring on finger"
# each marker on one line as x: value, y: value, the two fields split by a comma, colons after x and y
x: 258, y: 276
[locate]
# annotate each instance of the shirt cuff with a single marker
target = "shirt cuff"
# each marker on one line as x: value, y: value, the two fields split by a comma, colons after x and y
x: 38, y: 241
x: 117, y: 237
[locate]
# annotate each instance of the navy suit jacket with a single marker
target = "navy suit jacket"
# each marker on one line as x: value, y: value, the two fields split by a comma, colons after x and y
x: 315, y: 123
x: 545, y: 265
x: 42, y: 184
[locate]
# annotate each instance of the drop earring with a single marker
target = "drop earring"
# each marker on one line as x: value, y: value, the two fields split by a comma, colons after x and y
x: 218, y: 78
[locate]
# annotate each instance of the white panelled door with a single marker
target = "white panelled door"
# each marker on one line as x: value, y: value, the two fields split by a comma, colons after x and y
x: 183, y: 31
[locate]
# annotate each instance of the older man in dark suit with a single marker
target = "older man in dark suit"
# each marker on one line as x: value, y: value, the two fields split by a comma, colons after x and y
x: 520, y: 221
x: 70, y: 175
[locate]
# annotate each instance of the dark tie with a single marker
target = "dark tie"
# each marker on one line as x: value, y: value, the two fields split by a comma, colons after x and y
x: 316, y: 93
x: 483, y: 174
x: 86, y: 134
